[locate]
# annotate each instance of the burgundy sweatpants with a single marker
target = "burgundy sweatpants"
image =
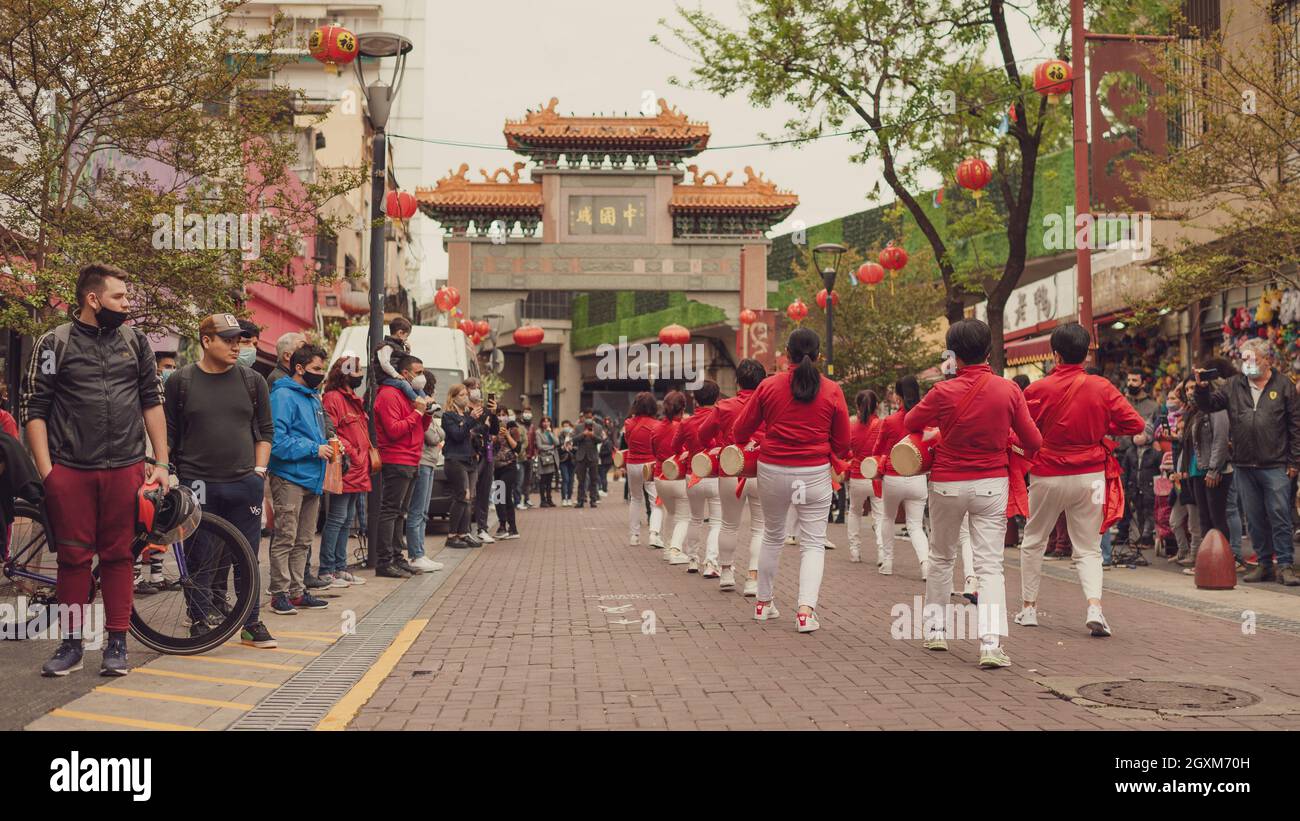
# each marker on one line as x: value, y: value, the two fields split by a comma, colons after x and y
x: 93, y: 512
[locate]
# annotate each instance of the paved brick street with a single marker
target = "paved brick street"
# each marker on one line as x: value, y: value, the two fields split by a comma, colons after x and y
x: 524, y: 637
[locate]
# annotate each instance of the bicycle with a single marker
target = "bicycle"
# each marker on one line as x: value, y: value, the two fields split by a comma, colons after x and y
x: 211, y: 584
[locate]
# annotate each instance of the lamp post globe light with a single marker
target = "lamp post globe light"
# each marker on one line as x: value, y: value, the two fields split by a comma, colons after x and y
x: 375, y: 47
x: 827, y: 259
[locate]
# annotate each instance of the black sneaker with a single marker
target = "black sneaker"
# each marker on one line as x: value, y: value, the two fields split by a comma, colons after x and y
x: 199, y: 627
x: 114, y: 663
x: 143, y: 588
x: 405, y: 566
x: 281, y: 606
x: 457, y: 542
x: 67, y: 659
x: 309, y: 602
x: 388, y: 571
x: 473, y: 540
x: 314, y: 582
x: 256, y: 635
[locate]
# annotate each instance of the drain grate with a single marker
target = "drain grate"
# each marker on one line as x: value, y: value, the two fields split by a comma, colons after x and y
x: 302, y: 701
x: 1167, y: 695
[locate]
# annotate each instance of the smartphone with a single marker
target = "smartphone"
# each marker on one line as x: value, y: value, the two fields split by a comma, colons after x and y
x: 1208, y: 373
x: 491, y: 397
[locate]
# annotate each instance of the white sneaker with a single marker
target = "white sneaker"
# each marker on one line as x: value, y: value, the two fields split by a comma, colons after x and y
x: 655, y: 542
x: 791, y: 540
x: 507, y: 536
x: 1097, y: 622
x: 806, y: 622
x: 828, y: 544
x: 676, y: 556
x: 711, y: 570
x: 694, y: 566
x: 635, y: 540
x: 763, y: 612
x: 728, y: 580
x: 886, y: 567
x: 485, y: 537
x: 602, y: 493
x: 855, y: 555
x: 349, y: 578
x: 751, y: 588
x: 925, y: 566
x: 1027, y: 617
x: 336, y: 581
x: 993, y: 657
x: 426, y: 564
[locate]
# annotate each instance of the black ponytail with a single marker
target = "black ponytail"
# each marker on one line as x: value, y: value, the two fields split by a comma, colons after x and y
x: 866, y: 402
x: 803, y: 348
x: 908, y: 390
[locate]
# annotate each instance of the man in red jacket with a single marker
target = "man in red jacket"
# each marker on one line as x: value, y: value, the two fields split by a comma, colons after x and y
x: 976, y: 413
x: 399, y: 434
x: 1075, y: 413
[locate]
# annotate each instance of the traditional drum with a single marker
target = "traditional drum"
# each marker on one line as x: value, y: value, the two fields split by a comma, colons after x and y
x: 648, y: 472
x: 915, y: 454
x: 620, y: 456
x: 705, y: 463
x: 870, y: 468
x: 737, y: 461
x: 675, y: 467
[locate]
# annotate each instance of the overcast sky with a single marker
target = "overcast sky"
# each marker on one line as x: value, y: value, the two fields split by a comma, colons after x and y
x: 489, y: 61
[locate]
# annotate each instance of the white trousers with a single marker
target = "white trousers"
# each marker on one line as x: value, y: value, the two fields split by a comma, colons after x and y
x: 732, y: 509
x: 704, y: 503
x: 909, y: 491
x: 808, y: 491
x: 859, y: 492
x: 1081, y: 498
x: 985, y: 502
x: 636, y: 489
x: 676, y: 510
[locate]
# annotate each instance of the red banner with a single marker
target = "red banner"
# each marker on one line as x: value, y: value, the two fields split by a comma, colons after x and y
x: 757, y: 340
x: 1126, y: 121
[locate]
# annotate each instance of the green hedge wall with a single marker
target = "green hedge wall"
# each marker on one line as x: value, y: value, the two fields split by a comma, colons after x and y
x: 680, y: 310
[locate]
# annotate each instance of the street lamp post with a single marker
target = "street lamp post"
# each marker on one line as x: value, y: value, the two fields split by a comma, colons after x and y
x: 379, y: 100
x: 827, y: 259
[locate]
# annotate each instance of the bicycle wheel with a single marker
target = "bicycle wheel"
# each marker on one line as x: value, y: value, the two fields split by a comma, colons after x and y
x: 27, y: 594
x: 211, y: 583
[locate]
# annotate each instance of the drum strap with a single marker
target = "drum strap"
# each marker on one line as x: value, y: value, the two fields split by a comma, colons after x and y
x: 959, y: 413
x: 1059, y: 411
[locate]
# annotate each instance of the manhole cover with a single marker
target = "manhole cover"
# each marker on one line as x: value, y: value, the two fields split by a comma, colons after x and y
x: 1167, y: 695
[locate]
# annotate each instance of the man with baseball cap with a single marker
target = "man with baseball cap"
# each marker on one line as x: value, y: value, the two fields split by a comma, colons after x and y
x: 220, y: 430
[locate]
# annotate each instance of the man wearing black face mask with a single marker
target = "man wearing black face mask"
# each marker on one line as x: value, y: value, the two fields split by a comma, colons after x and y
x: 90, y: 396
x: 1136, y: 393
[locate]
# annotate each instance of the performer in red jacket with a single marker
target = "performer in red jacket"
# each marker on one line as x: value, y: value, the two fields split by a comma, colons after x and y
x: 1075, y: 412
x: 702, y: 492
x: 807, y: 423
x: 672, y: 493
x: 734, y: 492
x: 975, y: 413
x: 638, y: 433
x: 864, y: 433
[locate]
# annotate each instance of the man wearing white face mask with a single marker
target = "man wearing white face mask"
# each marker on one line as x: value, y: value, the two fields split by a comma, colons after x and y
x: 1264, y: 428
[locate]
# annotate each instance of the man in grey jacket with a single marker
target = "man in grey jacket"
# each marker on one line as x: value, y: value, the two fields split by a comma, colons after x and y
x: 1264, y: 426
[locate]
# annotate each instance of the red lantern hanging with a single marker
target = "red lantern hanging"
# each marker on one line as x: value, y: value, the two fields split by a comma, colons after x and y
x: 674, y: 335
x: 797, y: 310
x: 528, y: 335
x: 332, y: 45
x: 482, y: 329
x: 443, y: 300
x: 453, y: 294
x: 400, y: 205
x: 466, y: 327
x: 871, y: 274
x: 821, y: 299
x: 748, y: 317
x: 892, y: 259
x: 973, y: 174
x: 1053, y: 78
x: 1011, y: 113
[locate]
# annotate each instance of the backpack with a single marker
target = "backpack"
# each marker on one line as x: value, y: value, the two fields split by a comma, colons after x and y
x: 185, y: 376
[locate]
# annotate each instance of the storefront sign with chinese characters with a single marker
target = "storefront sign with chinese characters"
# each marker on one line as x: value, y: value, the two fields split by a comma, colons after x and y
x: 607, y: 215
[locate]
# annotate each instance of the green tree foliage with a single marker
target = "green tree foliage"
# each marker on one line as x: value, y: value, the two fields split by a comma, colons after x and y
x: 115, y: 113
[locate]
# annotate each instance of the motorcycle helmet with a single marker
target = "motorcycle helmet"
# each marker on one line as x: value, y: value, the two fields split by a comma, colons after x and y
x: 166, y: 516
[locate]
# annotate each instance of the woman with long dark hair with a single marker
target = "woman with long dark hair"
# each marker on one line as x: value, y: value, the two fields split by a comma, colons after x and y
x: 806, y: 422
x: 458, y: 462
x: 672, y: 493
x: 864, y: 433
x: 908, y: 491
x: 638, y: 433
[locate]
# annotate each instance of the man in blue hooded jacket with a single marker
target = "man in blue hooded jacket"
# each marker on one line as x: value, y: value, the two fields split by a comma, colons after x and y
x: 299, y: 452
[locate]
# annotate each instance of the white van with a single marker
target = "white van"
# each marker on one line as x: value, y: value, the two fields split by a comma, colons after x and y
x: 447, y: 357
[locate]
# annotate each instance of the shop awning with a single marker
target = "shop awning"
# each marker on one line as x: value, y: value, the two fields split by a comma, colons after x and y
x: 1025, y: 351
